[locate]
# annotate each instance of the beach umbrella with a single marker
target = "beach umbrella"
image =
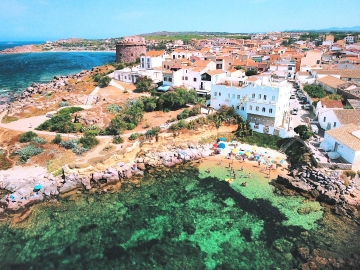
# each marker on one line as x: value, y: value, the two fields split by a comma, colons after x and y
x: 282, y: 161
x: 234, y: 142
x: 37, y: 187
x: 264, y: 161
x: 247, y: 154
x: 235, y: 151
x: 222, y: 139
x: 215, y: 145
x: 257, y: 157
x: 221, y: 145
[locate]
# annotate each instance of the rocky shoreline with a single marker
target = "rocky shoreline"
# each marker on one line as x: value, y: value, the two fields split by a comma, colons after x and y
x: 23, y: 192
x: 57, y: 84
x: 328, y: 187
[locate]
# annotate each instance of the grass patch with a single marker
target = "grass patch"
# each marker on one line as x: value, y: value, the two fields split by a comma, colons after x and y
x: 263, y: 140
x: 8, y: 119
x: 56, y: 164
x: 5, y: 163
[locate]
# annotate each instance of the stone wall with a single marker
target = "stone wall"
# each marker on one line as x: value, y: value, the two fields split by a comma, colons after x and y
x: 126, y: 53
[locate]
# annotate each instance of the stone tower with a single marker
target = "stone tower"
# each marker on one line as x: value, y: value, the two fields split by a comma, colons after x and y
x: 128, y: 49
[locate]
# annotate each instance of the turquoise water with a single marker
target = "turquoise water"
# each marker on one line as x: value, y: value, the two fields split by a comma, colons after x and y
x: 174, y: 220
x: 18, y: 71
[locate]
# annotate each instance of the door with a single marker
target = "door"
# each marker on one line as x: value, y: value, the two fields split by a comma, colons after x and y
x: 336, y: 147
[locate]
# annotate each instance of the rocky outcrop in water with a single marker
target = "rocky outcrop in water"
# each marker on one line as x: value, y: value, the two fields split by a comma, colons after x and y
x: 327, y: 187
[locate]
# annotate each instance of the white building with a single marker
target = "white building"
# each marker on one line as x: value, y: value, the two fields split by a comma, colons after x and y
x: 152, y: 59
x: 349, y: 39
x: 264, y: 104
x: 333, y: 118
x: 130, y: 75
x: 345, y: 140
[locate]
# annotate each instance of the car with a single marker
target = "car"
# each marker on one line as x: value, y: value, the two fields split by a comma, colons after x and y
x: 306, y: 107
x: 294, y: 111
x: 292, y: 97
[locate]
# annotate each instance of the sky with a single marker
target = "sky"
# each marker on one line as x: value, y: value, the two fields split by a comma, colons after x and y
x: 23, y: 20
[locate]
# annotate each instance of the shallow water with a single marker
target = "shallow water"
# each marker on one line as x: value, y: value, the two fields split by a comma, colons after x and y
x: 174, y: 220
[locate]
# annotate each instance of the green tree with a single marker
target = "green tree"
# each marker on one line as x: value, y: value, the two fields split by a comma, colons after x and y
x: 251, y: 72
x: 314, y: 91
x: 303, y: 132
x: 143, y: 84
x: 116, y: 126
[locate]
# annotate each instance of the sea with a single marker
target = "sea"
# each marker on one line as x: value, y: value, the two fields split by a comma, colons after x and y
x: 18, y: 71
x: 180, y: 218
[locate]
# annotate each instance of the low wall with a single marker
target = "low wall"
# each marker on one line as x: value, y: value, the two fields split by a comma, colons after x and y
x: 342, y: 166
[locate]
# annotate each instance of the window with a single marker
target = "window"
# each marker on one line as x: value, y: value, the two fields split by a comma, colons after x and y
x: 264, y: 97
x: 185, y: 71
x: 165, y: 79
x: 215, y: 94
x: 238, y: 107
x: 164, y: 66
x: 170, y: 79
x: 273, y: 98
x: 253, y: 95
x: 334, y: 124
x: 270, y: 110
x: 186, y: 78
x: 233, y: 96
x: 317, y: 61
x: 324, y: 119
x: 125, y: 78
x: 194, y: 79
x: 250, y: 108
x: 259, y: 96
x: 242, y: 108
x: 148, y: 65
x: 148, y: 60
x: 263, y: 109
x: 228, y: 95
x: 238, y: 96
x: 257, y: 108
x: 219, y: 94
x: 182, y: 77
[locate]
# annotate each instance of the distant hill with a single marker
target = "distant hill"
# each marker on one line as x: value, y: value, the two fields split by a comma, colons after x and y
x: 342, y: 29
x: 167, y: 33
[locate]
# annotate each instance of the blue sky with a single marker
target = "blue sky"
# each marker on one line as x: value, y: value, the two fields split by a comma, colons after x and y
x: 55, y: 19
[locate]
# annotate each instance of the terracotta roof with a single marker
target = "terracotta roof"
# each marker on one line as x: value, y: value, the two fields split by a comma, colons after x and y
x: 331, y: 103
x: 344, y: 135
x: 331, y: 81
x: 348, y: 116
x: 303, y: 73
x: 155, y: 53
x: 202, y: 63
x: 252, y: 79
x: 198, y: 69
x: 347, y: 73
x: 215, y: 72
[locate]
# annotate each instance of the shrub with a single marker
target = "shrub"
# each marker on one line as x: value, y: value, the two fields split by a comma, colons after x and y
x: 80, y: 150
x: 117, y: 139
x: 38, y: 140
x: 70, y: 110
x: 113, y: 108
x: 57, y: 139
x: 130, y: 126
x: 70, y: 144
x: 27, y: 136
x: 89, y: 140
x: 104, y: 81
x: 303, y: 132
x: 28, y: 152
x: 64, y: 104
x: 134, y: 136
